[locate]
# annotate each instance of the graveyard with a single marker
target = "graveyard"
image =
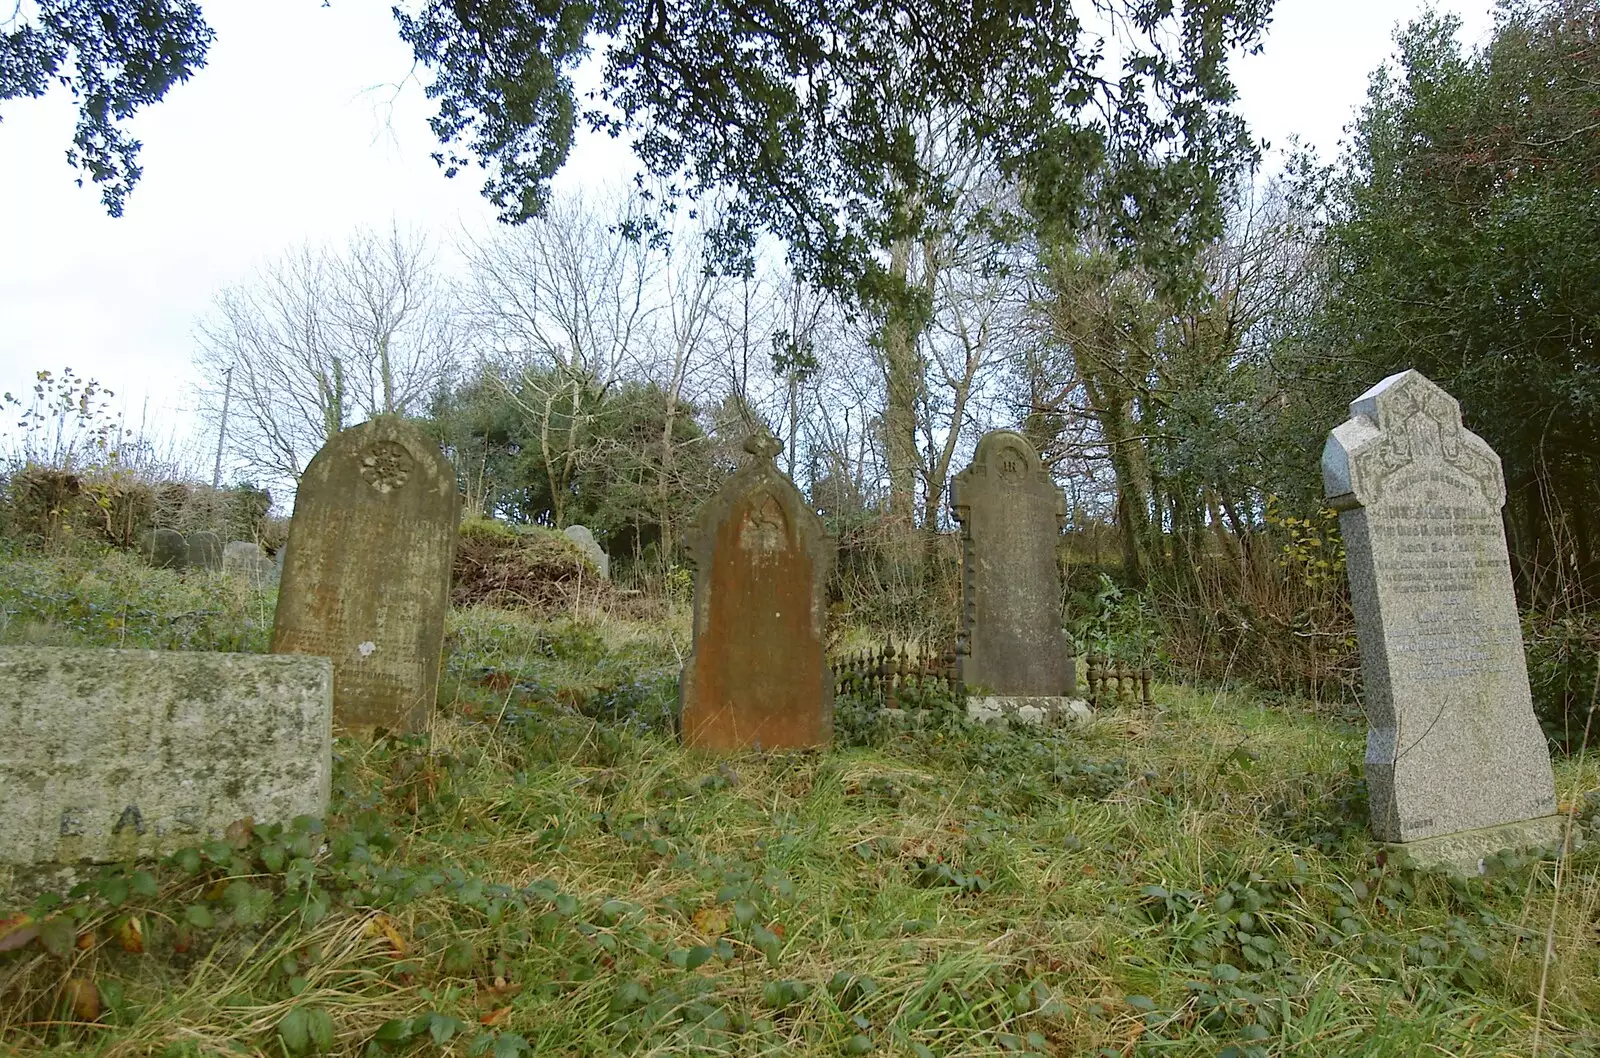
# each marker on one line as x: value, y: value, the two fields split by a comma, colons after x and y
x: 918, y: 529
x: 594, y: 838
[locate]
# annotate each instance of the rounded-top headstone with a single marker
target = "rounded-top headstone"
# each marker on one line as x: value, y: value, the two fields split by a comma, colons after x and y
x: 366, y: 580
x: 757, y: 676
x: 1011, y: 515
x: 245, y: 558
x: 580, y: 535
x: 164, y: 549
x: 205, y: 550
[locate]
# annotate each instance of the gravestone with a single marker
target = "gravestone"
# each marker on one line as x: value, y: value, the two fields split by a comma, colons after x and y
x: 164, y: 548
x: 205, y: 550
x: 580, y: 535
x: 1457, y: 767
x: 757, y: 677
x: 366, y: 581
x: 115, y: 754
x: 1010, y: 642
x: 245, y: 559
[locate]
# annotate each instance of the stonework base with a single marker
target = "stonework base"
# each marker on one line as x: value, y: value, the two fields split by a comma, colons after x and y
x: 1028, y: 710
x: 1466, y: 850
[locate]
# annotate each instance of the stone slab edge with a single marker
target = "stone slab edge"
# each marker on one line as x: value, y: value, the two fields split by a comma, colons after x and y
x: 1028, y: 709
x: 1466, y: 850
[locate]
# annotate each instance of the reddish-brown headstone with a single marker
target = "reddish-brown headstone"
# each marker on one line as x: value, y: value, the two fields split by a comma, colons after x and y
x: 366, y: 580
x: 758, y: 677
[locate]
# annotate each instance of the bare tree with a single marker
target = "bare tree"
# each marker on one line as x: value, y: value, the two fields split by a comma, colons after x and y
x: 566, y: 298
x: 322, y: 339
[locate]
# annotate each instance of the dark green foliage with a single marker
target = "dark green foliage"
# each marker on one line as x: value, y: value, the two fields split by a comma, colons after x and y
x: 115, y: 57
x: 1464, y: 245
x: 810, y: 113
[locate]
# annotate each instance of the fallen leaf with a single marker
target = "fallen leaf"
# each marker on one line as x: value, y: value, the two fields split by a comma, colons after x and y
x: 87, y: 939
x: 383, y: 926
x: 495, y: 1017
x: 239, y: 831
x: 130, y: 934
x: 17, y: 930
x: 182, y: 938
x: 82, y: 997
x: 711, y: 921
x: 776, y: 929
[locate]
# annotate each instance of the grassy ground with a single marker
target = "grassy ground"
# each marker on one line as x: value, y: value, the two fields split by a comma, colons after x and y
x: 548, y: 872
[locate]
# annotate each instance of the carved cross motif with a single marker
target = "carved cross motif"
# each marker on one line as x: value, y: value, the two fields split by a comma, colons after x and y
x: 763, y: 445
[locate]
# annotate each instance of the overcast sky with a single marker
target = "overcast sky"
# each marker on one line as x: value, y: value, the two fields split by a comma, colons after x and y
x: 308, y: 122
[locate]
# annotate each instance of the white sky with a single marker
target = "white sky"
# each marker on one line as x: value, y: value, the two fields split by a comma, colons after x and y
x: 307, y: 122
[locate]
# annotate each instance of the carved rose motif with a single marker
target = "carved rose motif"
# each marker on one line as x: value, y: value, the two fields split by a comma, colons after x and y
x: 386, y: 466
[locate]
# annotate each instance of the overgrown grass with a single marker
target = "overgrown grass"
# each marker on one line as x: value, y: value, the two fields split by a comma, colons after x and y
x: 547, y: 871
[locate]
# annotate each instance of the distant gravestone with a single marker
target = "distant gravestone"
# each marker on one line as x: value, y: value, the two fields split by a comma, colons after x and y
x: 367, y: 577
x: 164, y: 549
x: 757, y: 677
x: 205, y: 550
x: 580, y: 535
x: 1011, y: 514
x: 111, y: 755
x: 246, y: 560
x: 1456, y: 762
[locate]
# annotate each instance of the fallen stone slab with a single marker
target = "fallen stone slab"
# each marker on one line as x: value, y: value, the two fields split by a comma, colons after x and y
x: 115, y: 755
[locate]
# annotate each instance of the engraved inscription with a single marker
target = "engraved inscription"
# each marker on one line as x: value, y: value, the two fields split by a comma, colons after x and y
x: 130, y: 817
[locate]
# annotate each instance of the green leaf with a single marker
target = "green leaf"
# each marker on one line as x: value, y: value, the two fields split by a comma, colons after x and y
x: 744, y: 912
x: 858, y: 1044
x: 294, y: 1029
x: 698, y: 955
x: 510, y: 1045
x: 320, y: 1025
x: 273, y: 857
x: 395, y: 1030
x: 200, y: 916
x: 442, y: 1027
x: 1143, y: 1004
x: 144, y: 883
x: 58, y: 935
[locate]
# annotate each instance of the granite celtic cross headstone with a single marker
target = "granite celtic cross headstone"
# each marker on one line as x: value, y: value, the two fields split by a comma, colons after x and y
x: 1455, y: 760
x: 1011, y: 513
x: 366, y: 581
x: 757, y: 676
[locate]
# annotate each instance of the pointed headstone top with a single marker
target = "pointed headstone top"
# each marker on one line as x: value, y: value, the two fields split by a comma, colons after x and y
x: 763, y: 445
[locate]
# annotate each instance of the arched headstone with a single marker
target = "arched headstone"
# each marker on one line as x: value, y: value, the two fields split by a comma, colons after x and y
x: 244, y: 558
x: 164, y: 549
x: 1011, y: 515
x: 367, y: 577
x: 205, y: 550
x: 1456, y: 762
x: 757, y: 676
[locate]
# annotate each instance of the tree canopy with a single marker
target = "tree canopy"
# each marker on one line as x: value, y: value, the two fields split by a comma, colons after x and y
x: 808, y: 110
x: 115, y: 57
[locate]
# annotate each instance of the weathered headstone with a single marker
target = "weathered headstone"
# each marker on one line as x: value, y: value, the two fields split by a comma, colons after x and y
x: 113, y: 754
x: 580, y: 535
x: 1456, y: 763
x: 757, y: 676
x: 164, y: 549
x: 245, y: 559
x: 205, y: 550
x: 367, y: 577
x: 1010, y: 641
